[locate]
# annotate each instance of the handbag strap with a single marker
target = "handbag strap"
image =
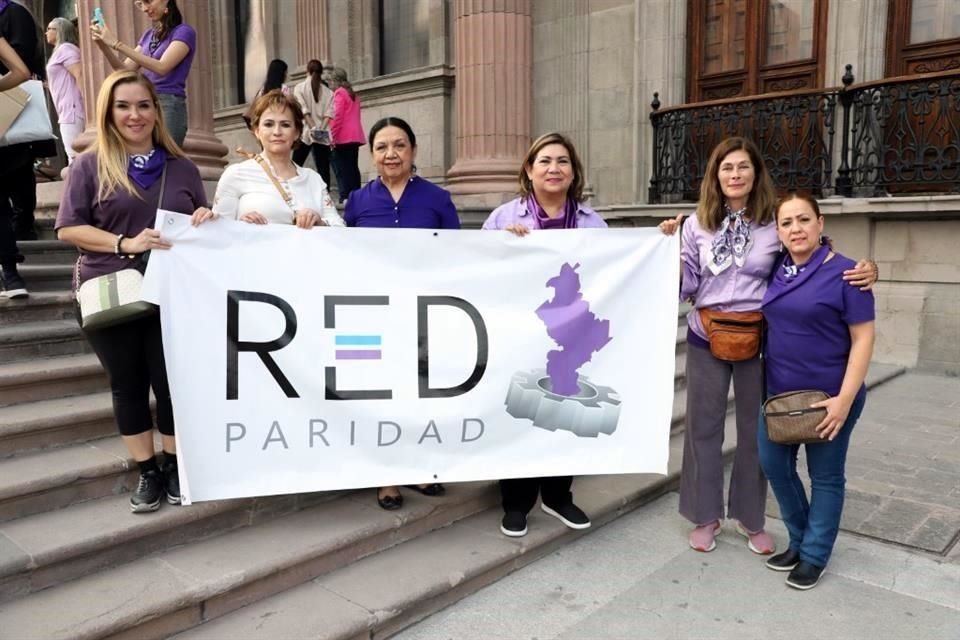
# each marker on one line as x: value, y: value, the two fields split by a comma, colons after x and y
x: 276, y: 183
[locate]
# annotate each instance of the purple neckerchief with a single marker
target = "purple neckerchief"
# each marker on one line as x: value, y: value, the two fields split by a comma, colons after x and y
x: 787, y: 276
x: 543, y: 221
x: 145, y: 169
x: 3, y: 5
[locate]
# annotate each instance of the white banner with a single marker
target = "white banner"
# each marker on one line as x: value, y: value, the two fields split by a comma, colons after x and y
x: 339, y: 358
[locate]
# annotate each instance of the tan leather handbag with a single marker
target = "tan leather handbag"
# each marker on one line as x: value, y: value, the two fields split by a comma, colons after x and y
x: 734, y: 335
x: 790, y: 418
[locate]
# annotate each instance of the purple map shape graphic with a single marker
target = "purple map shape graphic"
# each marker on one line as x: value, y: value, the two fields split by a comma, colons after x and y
x: 575, y: 329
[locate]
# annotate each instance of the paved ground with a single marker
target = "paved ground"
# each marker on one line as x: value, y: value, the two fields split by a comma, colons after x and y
x: 895, y: 572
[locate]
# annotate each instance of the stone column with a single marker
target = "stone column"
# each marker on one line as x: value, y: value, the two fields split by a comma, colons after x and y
x: 493, y: 87
x: 201, y: 144
x: 128, y: 23
x: 313, y: 40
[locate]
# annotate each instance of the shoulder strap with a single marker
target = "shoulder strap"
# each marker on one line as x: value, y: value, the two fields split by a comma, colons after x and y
x: 163, y: 185
x: 276, y: 183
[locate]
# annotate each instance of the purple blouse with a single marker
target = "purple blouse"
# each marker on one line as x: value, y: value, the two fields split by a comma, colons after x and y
x: 808, y: 327
x: 515, y: 212
x: 736, y: 288
x: 175, y: 82
x: 423, y: 205
x: 63, y: 86
x: 123, y: 212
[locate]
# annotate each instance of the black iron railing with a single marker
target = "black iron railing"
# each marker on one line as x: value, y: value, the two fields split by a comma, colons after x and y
x: 896, y: 135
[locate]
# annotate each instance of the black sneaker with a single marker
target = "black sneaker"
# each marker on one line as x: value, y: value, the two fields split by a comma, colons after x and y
x: 171, y: 481
x: 149, y: 490
x: 514, y: 524
x: 569, y: 514
x: 12, y: 285
x: 784, y: 561
x: 804, y: 576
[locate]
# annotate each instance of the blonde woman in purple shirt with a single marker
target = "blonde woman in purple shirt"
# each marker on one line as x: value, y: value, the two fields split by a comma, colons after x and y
x: 551, y: 188
x: 63, y: 77
x: 164, y: 56
x: 727, y: 252
x: 820, y: 336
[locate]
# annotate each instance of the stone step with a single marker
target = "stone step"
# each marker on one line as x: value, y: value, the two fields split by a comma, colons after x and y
x: 156, y: 595
x: 47, y: 277
x: 48, y: 338
x: 50, y: 378
x: 38, y: 307
x: 104, y: 533
x: 40, y: 481
x: 48, y: 252
x: 56, y: 422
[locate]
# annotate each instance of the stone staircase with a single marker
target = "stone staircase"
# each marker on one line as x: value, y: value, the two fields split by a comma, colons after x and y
x: 75, y: 563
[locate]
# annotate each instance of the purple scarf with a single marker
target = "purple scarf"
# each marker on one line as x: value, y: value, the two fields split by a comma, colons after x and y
x: 3, y: 5
x: 567, y: 221
x: 786, y: 274
x: 145, y: 169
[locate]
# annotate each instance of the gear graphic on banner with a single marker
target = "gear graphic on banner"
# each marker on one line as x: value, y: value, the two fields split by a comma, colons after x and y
x: 558, y: 398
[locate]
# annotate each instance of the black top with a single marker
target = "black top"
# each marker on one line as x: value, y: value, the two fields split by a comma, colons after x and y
x: 20, y: 31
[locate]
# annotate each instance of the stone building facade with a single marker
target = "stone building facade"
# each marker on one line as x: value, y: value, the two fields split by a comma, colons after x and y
x: 478, y: 78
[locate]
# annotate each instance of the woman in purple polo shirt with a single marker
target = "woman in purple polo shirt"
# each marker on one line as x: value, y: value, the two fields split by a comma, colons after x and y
x: 727, y: 252
x: 109, y: 205
x: 399, y: 199
x: 164, y: 56
x: 551, y: 197
x: 820, y: 335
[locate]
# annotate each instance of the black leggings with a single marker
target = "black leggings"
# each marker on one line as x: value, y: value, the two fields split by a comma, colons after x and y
x: 132, y: 354
x: 321, y: 157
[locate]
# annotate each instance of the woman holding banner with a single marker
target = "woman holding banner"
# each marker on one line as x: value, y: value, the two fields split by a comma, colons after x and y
x: 727, y: 252
x: 108, y: 210
x: 551, y: 197
x: 399, y: 199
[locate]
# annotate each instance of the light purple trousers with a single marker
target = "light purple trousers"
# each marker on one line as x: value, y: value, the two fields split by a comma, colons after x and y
x: 701, y: 476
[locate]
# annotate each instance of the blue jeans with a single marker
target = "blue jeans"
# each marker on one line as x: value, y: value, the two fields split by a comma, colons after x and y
x: 813, y: 525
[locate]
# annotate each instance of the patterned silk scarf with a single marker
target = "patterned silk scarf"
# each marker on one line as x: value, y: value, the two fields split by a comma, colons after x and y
x: 731, y: 243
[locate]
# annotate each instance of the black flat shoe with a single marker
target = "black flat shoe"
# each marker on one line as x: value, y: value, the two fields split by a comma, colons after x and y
x: 432, y: 490
x: 785, y: 561
x: 390, y: 503
x: 804, y: 576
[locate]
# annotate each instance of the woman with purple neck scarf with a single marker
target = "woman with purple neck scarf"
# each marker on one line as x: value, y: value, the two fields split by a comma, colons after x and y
x: 164, y: 55
x: 727, y: 252
x: 551, y: 197
x: 109, y: 205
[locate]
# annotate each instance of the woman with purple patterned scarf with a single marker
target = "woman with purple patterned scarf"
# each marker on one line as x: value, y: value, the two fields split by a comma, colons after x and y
x: 551, y: 197
x: 727, y: 253
x: 109, y: 205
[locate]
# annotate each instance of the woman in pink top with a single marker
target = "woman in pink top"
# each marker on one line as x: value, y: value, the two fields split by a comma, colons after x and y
x: 346, y: 133
x: 63, y: 77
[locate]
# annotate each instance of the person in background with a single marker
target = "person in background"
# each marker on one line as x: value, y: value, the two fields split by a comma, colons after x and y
x: 727, y: 253
x: 820, y: 335
x: 164, y: 55
x: 246, y: 191
x: 18, y: 183
x: 108, y: 210
x: 276, y: 80
x: 346, y: 132
x: 551, y: 197
x: 63, y: 78
x: 316, y: 101
x: 398, y: 199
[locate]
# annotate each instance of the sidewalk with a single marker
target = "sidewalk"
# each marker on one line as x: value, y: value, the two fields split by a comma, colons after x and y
x: 895, y: 572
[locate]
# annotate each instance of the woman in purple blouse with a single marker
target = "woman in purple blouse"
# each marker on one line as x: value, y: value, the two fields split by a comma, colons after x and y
x: 399, y: 199
x: 164, y: 56
x: 551, y: 188
x: 820, y: 335
x: 727, y: 252
x: 109, y: 205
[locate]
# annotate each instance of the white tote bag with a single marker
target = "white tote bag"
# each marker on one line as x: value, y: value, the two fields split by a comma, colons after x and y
x: 33, y: 123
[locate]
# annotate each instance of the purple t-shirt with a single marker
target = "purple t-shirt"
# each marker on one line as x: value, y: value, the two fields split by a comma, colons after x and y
x: 175, y: 82
x: 122, y: 212
x: 423, y: 205
x: 808, y: 334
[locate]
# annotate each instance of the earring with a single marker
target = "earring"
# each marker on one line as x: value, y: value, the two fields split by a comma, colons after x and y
x: 820, y: 239
x: 782, y: 248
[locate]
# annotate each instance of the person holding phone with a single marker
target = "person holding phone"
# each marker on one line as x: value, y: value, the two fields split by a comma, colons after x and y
x: 164, y: 55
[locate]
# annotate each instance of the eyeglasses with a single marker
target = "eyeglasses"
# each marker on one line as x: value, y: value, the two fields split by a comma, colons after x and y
x: 51, y: 28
